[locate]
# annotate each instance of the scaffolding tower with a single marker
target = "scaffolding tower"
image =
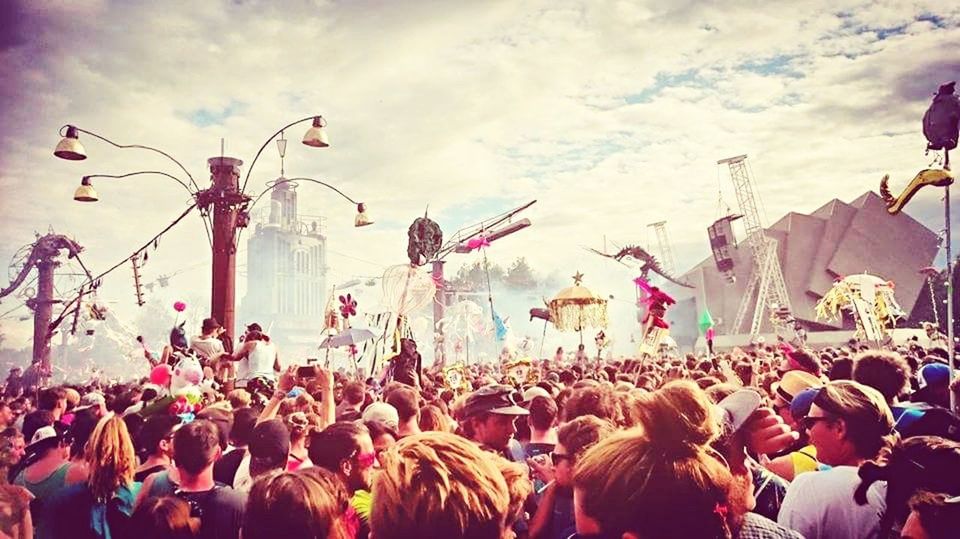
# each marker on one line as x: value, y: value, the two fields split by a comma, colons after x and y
x: 766, y: 282
x: 667, y: 261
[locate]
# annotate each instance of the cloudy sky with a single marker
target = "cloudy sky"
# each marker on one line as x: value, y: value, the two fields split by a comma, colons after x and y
x: 611, y: 114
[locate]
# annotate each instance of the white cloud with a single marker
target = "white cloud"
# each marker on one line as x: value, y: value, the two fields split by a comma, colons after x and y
x: 453, y: 104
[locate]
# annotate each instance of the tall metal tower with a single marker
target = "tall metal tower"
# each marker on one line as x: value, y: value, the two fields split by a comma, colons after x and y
x: 667, y: 261
x: 766, y: 280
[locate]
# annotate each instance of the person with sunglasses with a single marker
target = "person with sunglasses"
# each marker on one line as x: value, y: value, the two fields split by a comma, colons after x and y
x: 346, y: 449
x: 554, y: 516
x: 849, y: 424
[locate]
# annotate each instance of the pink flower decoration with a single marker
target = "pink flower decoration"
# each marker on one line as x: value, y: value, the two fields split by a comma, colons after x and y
x: 348, y: 306
x: 179, y: 306
x: 477, y: 243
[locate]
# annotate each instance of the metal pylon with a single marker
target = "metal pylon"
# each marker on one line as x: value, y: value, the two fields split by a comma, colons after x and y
x: 766, y: 279
x: 667, y: 261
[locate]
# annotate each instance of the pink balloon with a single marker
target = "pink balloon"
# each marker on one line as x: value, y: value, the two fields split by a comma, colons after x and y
x: 160, y: 375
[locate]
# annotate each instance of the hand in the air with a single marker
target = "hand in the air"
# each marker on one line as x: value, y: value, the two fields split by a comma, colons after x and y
x: 288, y: 380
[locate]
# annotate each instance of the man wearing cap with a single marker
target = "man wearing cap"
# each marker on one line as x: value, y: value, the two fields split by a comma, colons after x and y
x: 489, y: 419
x: 267, y: 451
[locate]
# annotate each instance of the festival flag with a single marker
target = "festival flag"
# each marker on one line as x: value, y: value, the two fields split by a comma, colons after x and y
x: 705, y: 322
x: 500, y: 326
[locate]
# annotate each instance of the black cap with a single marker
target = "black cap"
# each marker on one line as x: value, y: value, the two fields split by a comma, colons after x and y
x: 494, y: 399
x: 270, y: 443
x: 254, y: 327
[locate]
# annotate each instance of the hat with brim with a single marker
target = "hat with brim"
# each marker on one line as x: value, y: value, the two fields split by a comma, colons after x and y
x: 210, y: 324
x: 737, y: 408
x: 534, y: 392
x: 494, y: 399
x: 792, y: 383
x: 43, y: 437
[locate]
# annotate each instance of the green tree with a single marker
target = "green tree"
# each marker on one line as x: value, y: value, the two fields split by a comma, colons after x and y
x: 474, y: 276
x: 520, y: 275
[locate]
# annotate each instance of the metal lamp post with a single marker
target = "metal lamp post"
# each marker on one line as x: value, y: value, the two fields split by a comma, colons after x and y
x: 224, y: 199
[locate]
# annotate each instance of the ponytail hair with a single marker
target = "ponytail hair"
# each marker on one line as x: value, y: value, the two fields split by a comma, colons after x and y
x: 659, y: 479
x: 919, y: 463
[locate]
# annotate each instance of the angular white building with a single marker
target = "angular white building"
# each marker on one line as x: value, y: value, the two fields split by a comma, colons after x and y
x: 815, y: 249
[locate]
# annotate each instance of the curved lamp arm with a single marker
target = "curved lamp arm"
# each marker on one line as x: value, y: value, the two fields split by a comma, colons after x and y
x: 289, y: 180
x: 140, y: 146
x: 172, y: 177
x: 268, y: 141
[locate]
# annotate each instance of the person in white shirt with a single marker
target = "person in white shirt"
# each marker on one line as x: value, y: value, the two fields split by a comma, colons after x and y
x: 257, y: 357
x: 849, y: 424
x: 211, y: 350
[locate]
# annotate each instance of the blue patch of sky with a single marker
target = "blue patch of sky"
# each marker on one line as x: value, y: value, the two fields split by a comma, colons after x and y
x: 205, y: 117
x: 690, y: 78
x: 781, y: 64
x: 850, y: 23
x: 933, y: 19
x: 571, y: 156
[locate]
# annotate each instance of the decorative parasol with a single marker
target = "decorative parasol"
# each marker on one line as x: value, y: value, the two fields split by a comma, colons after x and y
x: 869, y: 298
x: 351, y: 336
x: 576, y: 308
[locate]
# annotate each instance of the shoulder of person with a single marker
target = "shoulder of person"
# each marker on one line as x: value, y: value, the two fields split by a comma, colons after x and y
x: 76, y: 473
x: 229, y: 498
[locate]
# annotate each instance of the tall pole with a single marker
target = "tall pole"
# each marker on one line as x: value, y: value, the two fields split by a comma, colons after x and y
x: 439, y: 306
x: 42, y: 306
x: 951, y: 346
x: 226, y: 200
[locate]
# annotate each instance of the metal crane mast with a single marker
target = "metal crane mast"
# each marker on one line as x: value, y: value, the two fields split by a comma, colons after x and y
x: 667, y: 261
x: 766, y: 280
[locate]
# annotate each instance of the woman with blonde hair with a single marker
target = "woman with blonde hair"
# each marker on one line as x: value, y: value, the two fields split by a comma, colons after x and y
x: 306, y: 504
x: 102, y: 506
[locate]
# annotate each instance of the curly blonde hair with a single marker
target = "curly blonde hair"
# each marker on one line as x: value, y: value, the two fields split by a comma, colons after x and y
x: 438, y: 484
x: 110, y: 457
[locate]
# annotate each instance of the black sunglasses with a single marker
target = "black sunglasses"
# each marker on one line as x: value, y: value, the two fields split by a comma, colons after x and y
x: 808, y: 422
x: 557, y: 458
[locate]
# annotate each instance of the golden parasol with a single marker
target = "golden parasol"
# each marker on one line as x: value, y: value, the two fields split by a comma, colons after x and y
x: 576, y: 307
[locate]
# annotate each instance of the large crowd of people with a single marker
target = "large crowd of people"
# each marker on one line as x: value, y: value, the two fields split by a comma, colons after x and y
x: 764, y: 441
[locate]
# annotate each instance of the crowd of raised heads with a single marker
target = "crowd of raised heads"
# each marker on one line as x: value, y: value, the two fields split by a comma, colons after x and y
x: 759, y: 442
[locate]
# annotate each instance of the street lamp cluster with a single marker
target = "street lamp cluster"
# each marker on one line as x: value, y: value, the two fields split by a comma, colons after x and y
x: 225, y: 199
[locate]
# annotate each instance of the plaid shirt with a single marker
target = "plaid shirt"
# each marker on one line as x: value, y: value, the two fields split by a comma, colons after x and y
x: 759, y: 527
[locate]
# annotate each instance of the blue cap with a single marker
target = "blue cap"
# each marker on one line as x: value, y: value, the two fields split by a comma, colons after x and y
x: 800, y: 405
x: 934, y: 374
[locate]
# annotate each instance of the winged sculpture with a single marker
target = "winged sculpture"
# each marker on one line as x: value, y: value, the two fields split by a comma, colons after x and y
x: 647, y: 261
